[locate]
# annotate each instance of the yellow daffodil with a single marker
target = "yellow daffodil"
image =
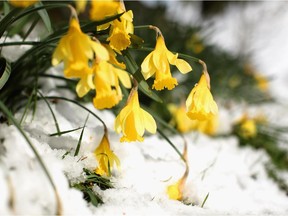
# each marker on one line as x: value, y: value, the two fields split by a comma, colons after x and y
x: 23, y: 4
x: 105, y: 157
x: 262, y: 82
x: 158, y: 62
x: 133, y: 120
x: 175, y: 191
x: 106, y: 81
x: 119, y: 38
x: 248, y: 127
x: 200, y: 103
x: 80, y: 5
x: 101, y: 9
x: 76, y: 49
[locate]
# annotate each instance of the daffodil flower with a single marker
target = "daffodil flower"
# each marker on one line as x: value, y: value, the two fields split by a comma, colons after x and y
x: 175, y: 191
x: 158, y: 62
x: 76, y: 49
x: 133, y: 120
x: 119, y: 38
x: 105, y: 157
x: 101, y: 9
x: 200, y: 103
x: 23, y: 4
x: 106, y: 82
x: 248, y: 126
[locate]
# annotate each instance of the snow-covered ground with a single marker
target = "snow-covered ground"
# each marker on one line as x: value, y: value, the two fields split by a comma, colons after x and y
x: 234, y: 178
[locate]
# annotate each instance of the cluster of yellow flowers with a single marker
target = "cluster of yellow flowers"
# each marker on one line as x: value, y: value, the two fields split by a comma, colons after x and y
x: 96, y: 66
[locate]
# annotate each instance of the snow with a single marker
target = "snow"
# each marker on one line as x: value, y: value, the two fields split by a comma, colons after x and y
x: 234, y: 177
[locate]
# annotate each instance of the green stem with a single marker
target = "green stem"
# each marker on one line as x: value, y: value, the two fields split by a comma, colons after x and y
x: 20, y: 43
x: 142, y: 27
x: 172, y: 145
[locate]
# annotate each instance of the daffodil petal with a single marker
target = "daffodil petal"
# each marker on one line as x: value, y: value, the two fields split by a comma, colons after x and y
x: 149, y: 122
x: 183, y: 66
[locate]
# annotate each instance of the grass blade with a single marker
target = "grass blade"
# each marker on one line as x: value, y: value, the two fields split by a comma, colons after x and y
x: 45, y: 18
x: 5, y: 71
x: 64, y: 132
x: 204, y: 201
x: 80, y: 139
x: 53, y: 115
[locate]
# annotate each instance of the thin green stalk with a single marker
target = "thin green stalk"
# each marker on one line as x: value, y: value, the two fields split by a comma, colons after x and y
x: 53, y: 115
x: 19, y: 43
x: 80, y: 139
x: 204, y: 201
x: 172, y: 145
x: 142, y: 27
x: 26, y: 108
x: 17, y: 125
x: 65, y: 132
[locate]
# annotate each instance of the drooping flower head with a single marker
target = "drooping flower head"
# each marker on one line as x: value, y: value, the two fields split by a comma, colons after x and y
x: 23, y: 4
x: 158, y: 63
x: 76, y: 49
x: 133, y: 120
x: 106, y: 81
x: 105, y: 157
x: 200, y: 103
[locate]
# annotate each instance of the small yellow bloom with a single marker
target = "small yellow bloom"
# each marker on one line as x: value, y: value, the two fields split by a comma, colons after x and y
x: 248, y: 127
x: 262, y: 82
x: 106, y: 81
x: 101, y: 9
x: 158, y: 62
x: 23, y: 4
x: 175, y: 191
x: 200, y: 103
x: 119, y: 38
x: 133, y: 120
x: 105, y: 157
x: 76, y: 49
